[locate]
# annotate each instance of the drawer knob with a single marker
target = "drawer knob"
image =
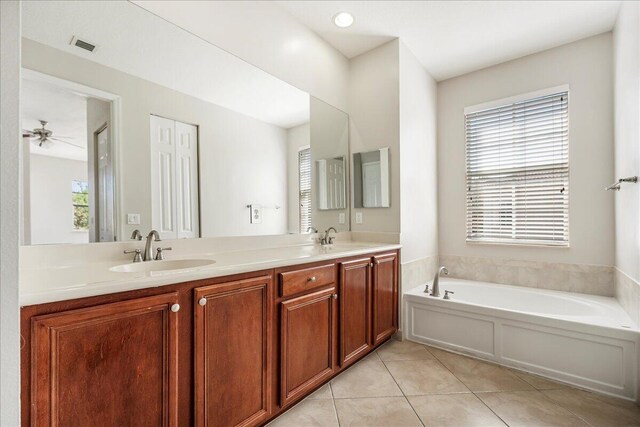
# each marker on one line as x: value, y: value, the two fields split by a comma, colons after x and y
x: 312, y: 279
x: 175, y: 308
x: 334, y: 296
x: 202, y: 301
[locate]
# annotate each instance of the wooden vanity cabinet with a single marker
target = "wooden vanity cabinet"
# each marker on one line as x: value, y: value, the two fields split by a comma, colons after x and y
x: 355, y: 309
x: 385, y: 296
x: 227, y: 351
x: 232, y: 338
x: 111, y: 364
x: 307, y: 343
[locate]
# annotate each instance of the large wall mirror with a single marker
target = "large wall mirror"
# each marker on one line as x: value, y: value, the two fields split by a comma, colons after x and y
x: 131, y: 122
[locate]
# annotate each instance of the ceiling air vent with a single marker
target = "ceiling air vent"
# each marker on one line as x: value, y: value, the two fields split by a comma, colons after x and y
x: 82, y: 44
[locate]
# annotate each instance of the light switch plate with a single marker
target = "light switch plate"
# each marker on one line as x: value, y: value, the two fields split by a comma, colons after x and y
x: 133, y: 219
x: 341, y: 218
x: 358, y: 217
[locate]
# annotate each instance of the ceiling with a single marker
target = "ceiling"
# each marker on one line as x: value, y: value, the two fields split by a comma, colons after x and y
x: 451, y: 38
x: 66, y: 114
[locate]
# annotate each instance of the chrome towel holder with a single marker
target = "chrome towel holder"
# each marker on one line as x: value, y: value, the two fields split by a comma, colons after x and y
x: 616, y: 186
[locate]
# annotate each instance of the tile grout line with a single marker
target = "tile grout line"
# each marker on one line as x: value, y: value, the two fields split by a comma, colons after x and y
x: 333, y: 400
x: 472, y: 392
x: 400, y: 388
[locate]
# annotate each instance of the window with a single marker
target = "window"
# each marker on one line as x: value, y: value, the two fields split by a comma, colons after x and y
x: 517, y: 171
x: 80, y: 200
x: 304, y: 184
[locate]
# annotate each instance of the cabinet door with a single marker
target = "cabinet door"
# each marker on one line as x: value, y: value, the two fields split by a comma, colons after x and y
x: 307, y: 343
x: 232, y: 346
x: 355, y: 310
x: 385, y: 296
x: 112, y: 364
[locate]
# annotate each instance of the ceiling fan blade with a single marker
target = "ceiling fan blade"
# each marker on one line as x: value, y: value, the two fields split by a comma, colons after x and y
x: 28, y: 133
x: 66, y: 137
x: 66, y: 142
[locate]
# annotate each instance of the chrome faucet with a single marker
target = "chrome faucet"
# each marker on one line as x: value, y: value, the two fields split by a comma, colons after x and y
x: 315, y: 230
x: 435, y: 289
x: 136, y: 235
x: 148, y: 247
x: 326, y: 239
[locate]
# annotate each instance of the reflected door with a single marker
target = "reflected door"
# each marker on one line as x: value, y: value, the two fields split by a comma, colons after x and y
x: 174, y: 178
x: 104, y: 194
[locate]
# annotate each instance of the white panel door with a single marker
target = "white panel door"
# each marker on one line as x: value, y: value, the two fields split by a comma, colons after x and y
x: 186, y: 180
x: 163, y: 182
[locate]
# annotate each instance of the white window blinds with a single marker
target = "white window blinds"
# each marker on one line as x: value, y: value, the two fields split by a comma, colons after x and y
x: 517, y: 172
x: 304, y: 184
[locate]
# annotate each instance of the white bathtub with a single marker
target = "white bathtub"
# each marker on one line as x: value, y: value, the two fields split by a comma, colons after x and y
x: 585, y: 340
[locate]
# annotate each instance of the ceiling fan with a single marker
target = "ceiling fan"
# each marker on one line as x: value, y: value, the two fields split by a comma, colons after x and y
x: 43, y: 135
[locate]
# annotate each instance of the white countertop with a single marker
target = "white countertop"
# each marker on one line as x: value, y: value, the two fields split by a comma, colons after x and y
x: 65, y: 282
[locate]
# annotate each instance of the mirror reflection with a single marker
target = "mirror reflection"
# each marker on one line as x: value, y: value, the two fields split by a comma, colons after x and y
x: 124, y: 131
x: 371, y: 179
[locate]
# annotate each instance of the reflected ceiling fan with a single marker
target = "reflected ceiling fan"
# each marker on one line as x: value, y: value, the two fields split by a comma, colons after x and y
x: 44, y: 137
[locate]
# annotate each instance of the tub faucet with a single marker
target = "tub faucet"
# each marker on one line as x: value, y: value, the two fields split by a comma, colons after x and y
x: 435, y: 290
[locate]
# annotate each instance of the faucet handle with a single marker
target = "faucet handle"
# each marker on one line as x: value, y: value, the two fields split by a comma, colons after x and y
x: 138, y: 254
x: 160, y: 253
x: 446, y: 294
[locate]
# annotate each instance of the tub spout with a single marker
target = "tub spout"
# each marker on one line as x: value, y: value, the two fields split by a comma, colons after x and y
x: 435, y: 290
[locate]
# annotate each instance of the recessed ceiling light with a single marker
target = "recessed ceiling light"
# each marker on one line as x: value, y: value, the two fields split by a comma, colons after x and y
x: 343, y: 19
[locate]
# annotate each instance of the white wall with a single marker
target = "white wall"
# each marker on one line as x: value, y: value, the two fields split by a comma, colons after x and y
x: 51, y: 201
x: 329, y: 131
x: 298, y: 137
x: 626, y: 42
x: 586, y: 66
x: 268, y: 37
x: 9, y: 212
x: 418, y: 160
x: 229, y: 178
x: 375, y: 117
x: 242, y: 161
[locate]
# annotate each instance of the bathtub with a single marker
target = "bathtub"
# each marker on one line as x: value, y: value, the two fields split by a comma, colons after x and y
x: 584, y: 340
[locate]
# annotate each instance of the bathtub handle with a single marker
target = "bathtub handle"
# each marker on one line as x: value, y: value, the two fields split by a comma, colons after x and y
x: 446, y: 294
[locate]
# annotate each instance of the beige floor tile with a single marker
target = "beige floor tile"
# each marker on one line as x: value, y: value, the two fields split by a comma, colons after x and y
x: 418, y: 377
x: 529, y: 408
x: 309, y: 413
x: 480, y: 376
x: 367, y: 378
x: 403, y: 350
x: 540, y: 383
x: 595, y: 409
x: 453, y: 410
x: 323, y: 392
x: 376, y: 412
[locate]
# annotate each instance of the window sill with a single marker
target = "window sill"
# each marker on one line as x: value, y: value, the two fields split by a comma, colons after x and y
x: 524, y: 244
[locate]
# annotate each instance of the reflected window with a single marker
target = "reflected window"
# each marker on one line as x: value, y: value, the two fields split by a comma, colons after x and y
x: 80, y: 200
x: 304, y: 184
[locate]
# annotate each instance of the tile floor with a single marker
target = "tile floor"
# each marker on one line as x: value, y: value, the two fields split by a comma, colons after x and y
x: 408, y: 384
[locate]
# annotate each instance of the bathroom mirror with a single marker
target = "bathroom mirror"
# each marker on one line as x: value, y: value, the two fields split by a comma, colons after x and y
x: 371, y: 179
x: 131, y: 122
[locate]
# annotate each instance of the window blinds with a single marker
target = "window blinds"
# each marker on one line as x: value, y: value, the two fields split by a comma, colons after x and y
x: 304, y: 184
x: 517, y: 172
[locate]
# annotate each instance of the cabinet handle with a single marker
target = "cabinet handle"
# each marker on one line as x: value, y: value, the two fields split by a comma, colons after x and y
x: 175, y: 308
x: 312, y: 279
x: 202, y: 301
x: 370, y: 264
x: 334, y: 296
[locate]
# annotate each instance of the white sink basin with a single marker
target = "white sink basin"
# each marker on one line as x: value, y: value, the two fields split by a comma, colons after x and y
x: 167, y: 265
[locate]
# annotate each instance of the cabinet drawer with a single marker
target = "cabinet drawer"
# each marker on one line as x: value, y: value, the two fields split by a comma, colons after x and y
x: 296, y: 281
